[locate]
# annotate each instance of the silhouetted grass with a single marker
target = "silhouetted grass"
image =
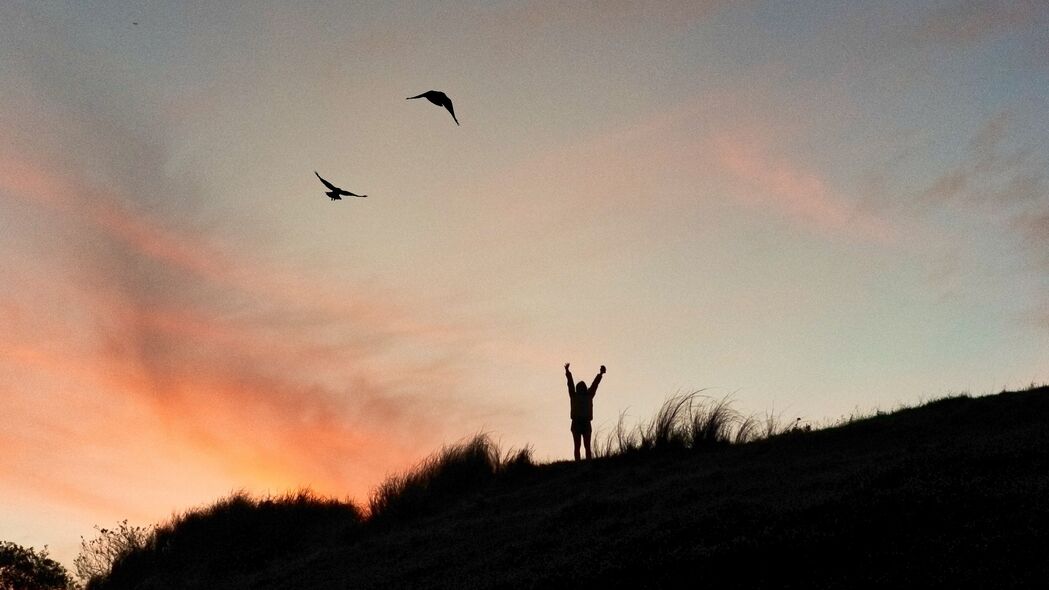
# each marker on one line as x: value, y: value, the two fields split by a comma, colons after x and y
x: 711, y: 424
x: 242, y: 533
x: 442, y: 476
x: 746, y: 431
x: 690, y: 421
x: 662, y: 512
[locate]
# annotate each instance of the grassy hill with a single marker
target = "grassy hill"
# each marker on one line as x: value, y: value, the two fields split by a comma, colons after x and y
x: 952, y: 493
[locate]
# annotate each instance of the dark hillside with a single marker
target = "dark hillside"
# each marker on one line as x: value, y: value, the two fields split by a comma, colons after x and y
x: 953, y: 493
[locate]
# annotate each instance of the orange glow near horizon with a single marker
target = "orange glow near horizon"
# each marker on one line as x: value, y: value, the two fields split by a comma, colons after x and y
x: 258, y: 420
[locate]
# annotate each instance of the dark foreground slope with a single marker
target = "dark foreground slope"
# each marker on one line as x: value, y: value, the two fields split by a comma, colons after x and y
x: 953, y: 493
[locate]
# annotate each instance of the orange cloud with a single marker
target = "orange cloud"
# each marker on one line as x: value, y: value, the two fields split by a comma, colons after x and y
x: 263, y: 422
x: 174, y: 347
x: 295, y: 409
x: 63, y: 193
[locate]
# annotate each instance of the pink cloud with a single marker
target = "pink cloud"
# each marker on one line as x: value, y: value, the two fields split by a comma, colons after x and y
x: 62, y: 193
x: 171, y: 344
x: 802, y: 195
x: 265, y: 418
x: 644, y: 177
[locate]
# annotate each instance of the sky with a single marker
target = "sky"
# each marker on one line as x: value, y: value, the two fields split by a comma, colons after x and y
x: 816, y: 208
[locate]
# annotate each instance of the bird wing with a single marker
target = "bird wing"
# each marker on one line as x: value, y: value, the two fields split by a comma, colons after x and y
x: 327, y: 184
x: 348, y: 193
x: 420, y: 96
x: 448, y: 105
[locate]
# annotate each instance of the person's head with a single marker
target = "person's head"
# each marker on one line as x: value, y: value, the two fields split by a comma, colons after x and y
x: 580, y: 388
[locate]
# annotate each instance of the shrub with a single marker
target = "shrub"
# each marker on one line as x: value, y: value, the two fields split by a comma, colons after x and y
x: 97, y: 556
x: 256, y: 529
x: 24, y: 568
x: 236, y: 534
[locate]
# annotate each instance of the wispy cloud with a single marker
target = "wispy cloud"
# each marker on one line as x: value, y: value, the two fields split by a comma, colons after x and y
x: 799, y: 194
x: 166, y: 341
x: 967, y: 22
x: 313, y: 397
x: 1000, y: 181
x: 612, y: 15
x: 1034, y: 229
x: 992, y: 171
x: 667, y: 165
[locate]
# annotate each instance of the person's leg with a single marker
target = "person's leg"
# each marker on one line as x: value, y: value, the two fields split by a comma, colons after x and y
x: 575, y: 438
x: 586, y: 443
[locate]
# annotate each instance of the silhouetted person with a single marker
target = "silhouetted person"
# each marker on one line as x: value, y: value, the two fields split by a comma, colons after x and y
x: 582, y: 398
x: 438, y: 98
x: 335, y: 193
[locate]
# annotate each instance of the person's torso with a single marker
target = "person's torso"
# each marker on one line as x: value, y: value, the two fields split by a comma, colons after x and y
x: 582, y: 406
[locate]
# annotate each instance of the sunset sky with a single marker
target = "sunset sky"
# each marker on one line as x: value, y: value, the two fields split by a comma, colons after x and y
x: 819, y: 208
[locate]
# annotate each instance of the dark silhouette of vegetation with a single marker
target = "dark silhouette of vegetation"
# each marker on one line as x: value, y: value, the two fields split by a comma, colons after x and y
x: 25, y: 568
x: 242, y: 534
x: 444, y: 476
x: 952, y: 493
x: 688, y: 421
x: 231, y: 538
x: 98, y: 555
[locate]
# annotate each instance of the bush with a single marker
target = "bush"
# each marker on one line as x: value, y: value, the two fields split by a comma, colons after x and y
x: 24, y: 568
x: 236, y: 534
x: 97, y: 556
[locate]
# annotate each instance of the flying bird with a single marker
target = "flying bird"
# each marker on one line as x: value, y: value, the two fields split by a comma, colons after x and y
x: 440, y: 99
x: 335, y: 193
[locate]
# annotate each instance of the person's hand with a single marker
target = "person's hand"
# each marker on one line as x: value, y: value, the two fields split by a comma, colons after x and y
x: 602, y: 369
x: 566, y: 366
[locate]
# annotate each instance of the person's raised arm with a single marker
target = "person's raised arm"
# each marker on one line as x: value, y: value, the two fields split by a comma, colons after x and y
x: 597, y: 381
x: 568, y: 375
